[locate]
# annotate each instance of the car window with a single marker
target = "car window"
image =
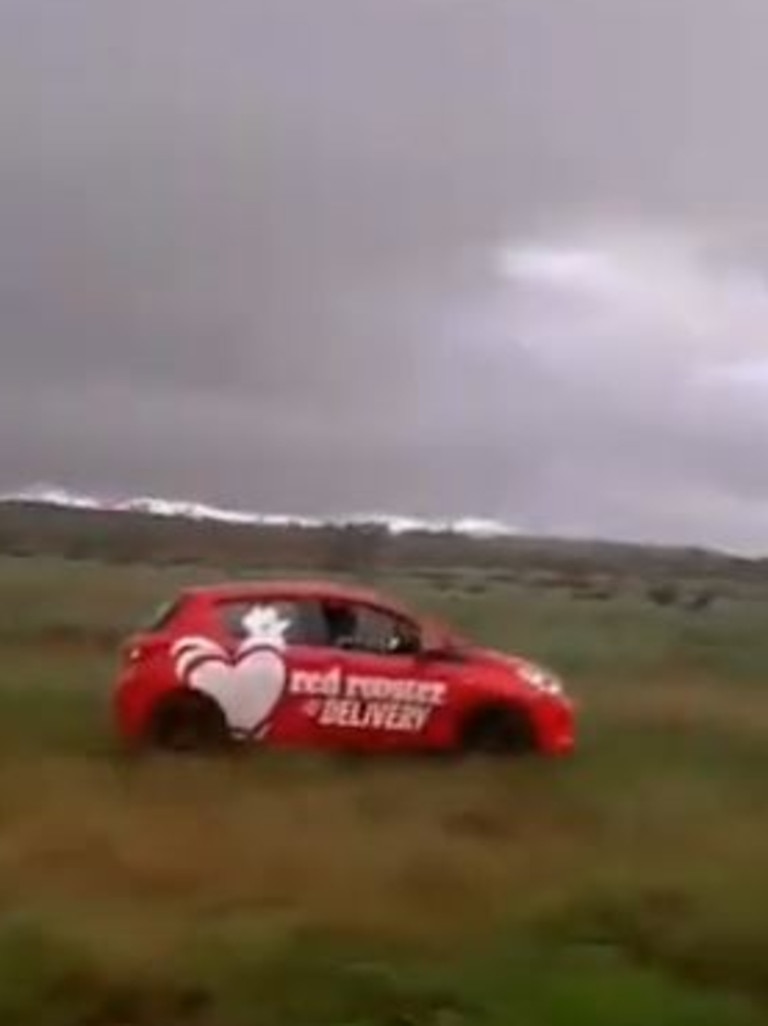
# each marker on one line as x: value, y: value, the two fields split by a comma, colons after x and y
x: 358, y: 627
x: 296, y: 622
x: 161, y: 616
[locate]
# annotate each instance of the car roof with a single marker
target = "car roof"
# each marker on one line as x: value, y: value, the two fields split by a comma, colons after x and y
x: 299, y: 589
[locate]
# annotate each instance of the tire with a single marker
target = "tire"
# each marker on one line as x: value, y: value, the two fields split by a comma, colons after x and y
x: 189, y: 723
x: 497, y: 731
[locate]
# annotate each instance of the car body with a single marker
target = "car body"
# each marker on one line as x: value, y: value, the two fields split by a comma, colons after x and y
x: 319, y: 665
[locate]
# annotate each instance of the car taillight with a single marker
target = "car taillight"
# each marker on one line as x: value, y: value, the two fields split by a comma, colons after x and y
x: 135, y: 650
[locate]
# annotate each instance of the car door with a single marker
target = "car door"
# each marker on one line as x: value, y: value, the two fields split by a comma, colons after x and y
x: 278, y: 668
x: 389, y: 697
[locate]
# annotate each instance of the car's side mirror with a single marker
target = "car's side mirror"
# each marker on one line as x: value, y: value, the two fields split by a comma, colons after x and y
x: 434, y: 654
x: 444, y: 652
x: 403, y: 646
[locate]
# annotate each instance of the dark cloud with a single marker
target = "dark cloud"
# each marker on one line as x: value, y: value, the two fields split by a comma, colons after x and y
x: 432, y: 256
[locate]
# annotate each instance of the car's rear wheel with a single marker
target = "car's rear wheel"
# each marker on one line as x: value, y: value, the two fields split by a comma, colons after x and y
x: 497, y: 731
x: 189, y: 722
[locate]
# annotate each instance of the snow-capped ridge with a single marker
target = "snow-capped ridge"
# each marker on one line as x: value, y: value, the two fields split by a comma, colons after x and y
x: 56, y: 496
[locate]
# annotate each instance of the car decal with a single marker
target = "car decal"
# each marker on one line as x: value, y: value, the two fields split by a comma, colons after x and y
x: 357, y: 701
x: 247, y: 684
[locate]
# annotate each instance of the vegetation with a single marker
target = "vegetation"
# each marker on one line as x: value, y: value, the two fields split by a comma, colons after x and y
x: 624, y: 887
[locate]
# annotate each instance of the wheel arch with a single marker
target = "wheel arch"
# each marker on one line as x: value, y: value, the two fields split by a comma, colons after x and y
x: 182, y: 700
x: 506, y: 718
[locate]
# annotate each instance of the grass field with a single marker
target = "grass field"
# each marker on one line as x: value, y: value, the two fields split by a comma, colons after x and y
x: 625, y: 887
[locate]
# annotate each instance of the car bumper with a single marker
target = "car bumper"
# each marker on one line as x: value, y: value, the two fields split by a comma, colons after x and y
x: 556, y: 727
x: 131, y: 707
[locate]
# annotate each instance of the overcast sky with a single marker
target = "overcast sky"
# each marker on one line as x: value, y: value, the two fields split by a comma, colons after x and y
x: 504, y: 258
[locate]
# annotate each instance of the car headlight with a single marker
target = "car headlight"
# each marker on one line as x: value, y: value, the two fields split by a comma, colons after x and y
x: 541, y: 679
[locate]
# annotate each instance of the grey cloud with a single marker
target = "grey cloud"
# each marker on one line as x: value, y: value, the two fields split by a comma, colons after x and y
x: 255, y: 252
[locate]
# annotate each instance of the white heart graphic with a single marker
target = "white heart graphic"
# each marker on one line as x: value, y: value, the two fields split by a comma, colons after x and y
x: 248, y: 687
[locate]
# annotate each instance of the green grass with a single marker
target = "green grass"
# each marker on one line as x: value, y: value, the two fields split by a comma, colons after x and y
x: 626, y: 886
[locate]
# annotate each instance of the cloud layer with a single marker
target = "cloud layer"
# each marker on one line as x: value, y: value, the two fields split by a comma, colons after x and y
x: 492, y: 258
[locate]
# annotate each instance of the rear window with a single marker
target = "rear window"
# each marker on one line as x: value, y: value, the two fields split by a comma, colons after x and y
x: 161, y: 615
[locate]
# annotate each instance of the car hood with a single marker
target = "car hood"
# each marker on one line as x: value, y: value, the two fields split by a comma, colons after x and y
x: 517, y: 669
x: 512, y: 670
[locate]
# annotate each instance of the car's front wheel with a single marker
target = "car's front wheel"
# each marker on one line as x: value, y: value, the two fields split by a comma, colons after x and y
x: 188, y: 722
x: 497, y: 731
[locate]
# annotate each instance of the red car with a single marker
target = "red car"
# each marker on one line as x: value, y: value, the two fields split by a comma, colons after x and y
x: 318, y: 665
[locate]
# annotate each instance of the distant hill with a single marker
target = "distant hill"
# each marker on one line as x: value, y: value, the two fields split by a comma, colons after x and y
x: 31, y: 526
x: 64, y: 498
